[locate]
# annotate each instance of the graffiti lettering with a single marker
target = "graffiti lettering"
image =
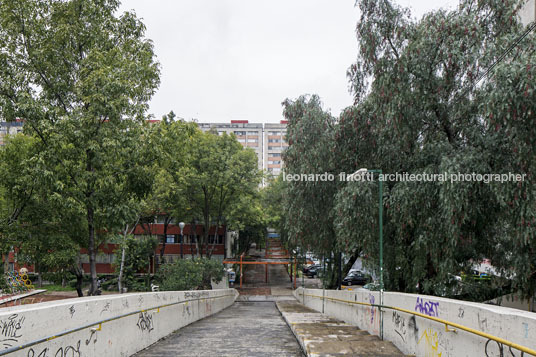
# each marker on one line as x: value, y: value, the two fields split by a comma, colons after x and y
x: 482, y: 323
x: 494, y: 348
x: 67, y: 351
x: 461, y: 312
x: 106, y: 307
x: 372, y: 309
x: 431, y: 340
x: 429, y: 308
x: 195, y: 294
x: 145, y: 322
x: 186, y: 310
x: 93, y: 332
x: 10, y: 330
x: 400, y: 325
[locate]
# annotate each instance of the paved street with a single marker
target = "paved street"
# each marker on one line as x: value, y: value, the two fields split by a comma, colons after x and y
x: 244, y: 329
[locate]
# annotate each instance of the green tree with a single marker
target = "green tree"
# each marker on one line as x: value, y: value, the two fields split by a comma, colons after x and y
x: 418, y: 111
x: 508, y: 104
x: 137, y: 258
x: 18, y: 187
x: 173, y: 142
x: 220, y: 175
x: 310, y: 203
x: 81, y: 78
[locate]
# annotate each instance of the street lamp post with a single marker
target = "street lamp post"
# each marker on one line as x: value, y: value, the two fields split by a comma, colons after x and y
x: 380, y: 219
x: 181, y: 226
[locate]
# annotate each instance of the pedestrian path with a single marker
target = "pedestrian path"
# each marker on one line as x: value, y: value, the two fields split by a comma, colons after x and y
x: 244, y: 329
x: 320, y: 335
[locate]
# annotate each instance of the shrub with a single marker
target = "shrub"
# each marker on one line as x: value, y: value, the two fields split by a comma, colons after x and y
x: 189, y: 274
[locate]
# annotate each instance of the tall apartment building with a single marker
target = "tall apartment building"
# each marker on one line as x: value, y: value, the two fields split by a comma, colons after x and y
x: 528, y: 12
x: 9, y: 128
x: 274, y: 145
x: 268, y: 140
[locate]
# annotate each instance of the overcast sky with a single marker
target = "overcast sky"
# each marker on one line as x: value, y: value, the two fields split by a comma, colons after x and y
x: 239, y: 59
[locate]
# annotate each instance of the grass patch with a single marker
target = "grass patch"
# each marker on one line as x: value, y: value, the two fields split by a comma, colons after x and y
x: 54, y: 287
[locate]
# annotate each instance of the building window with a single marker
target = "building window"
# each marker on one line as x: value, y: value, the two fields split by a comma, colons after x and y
x: 219, y: 239
x: 253, y: 133
x: 241, y: 140
x: 239, y: 133
x: 274, y: 154
x: 171, y: 238
x: 274, y: 140
x: 274, y: 133
x: 274, y: 161
x: 253, y: 140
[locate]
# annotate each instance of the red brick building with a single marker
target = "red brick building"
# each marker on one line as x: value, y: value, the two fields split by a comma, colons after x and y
x: 108, y: 253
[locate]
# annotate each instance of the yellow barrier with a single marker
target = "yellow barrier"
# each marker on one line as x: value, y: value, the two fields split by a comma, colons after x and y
x: 445, y: 322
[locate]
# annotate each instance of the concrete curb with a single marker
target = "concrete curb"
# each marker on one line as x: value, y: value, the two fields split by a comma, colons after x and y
x: 9, y: 298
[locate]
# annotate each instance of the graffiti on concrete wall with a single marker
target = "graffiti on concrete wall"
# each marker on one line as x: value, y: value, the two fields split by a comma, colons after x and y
x: 372, y: 308
x: 496, y: 349
x: 10, y: 332
x: 429, y: 308
x: 400, y: 325
x: 196, y: 294
x: 431, y: 343
x: 145, y: 321
x: 64, y: 351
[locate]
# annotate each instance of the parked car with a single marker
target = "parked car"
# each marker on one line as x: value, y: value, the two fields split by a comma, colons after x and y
x: 355, y: 278
x: 305, y: 269
x: 313, y: 271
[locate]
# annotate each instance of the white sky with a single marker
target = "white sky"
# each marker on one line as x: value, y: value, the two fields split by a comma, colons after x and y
x: 239, y: 59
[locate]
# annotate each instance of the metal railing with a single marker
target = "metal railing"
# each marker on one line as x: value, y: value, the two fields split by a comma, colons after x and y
x: 442, y: 321
x: 99, y: 324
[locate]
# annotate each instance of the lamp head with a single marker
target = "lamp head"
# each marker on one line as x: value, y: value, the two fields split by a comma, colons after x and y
x: 361, y: 171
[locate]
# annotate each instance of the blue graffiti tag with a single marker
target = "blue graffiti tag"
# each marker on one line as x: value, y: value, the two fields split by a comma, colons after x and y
x: 429, y: 308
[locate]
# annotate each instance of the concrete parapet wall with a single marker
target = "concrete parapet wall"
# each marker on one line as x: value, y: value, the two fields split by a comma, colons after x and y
x: 130, y: 322
x: 423, y: 337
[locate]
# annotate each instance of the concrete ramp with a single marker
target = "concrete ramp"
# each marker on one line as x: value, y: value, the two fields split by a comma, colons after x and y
x: 244, y: 329
x: 320, y: 335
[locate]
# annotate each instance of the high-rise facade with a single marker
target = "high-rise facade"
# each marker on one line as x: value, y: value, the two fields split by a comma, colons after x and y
x: 267, y: 140
x: 9, y: 128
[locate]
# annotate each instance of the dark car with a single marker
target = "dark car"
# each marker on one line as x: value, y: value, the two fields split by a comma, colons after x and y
x: 313, y: 271
x: 355, y: 278
x: 307, y: 268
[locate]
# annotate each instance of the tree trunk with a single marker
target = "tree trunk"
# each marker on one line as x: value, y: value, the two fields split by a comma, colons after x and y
x: 122, y: 266
x: 39, y: 277
x: 166, y: 224
x: 351, y: 262
x: 92, y: 251
x: 79, y: 273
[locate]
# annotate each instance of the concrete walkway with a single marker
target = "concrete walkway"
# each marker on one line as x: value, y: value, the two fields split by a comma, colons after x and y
x: 244, y: 329
x: 320, y: 335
